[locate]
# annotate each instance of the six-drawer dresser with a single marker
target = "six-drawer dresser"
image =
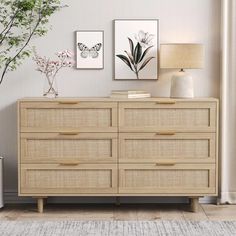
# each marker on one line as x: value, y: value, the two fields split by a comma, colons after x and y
x: 118, y: 147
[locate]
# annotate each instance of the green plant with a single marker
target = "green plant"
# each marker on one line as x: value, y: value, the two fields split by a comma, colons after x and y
x: 136, y: 59
x: 20, y: 21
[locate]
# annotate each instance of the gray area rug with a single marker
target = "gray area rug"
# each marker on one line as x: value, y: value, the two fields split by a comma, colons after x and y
x: 117, y: 228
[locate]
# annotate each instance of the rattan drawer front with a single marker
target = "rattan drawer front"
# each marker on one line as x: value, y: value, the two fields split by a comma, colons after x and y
x: 178, y: 148
x: 179, y: 116
x: 66, y: 179
x: 56, y: 147
x: 176, y: 179
x: 56, y: 117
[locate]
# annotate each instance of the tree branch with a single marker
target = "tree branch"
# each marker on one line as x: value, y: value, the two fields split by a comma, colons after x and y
x: 25, y: 15
x: 24, y: 46
x: 8, y: 27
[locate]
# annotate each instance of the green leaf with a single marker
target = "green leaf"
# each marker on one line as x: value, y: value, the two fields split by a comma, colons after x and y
x: 145, y: 53
x: 145, y: 63
x: 25, y: 5
x: 130, y: 57
x: 125, y: 60
x: 131, y: 44
x: 137, y: 53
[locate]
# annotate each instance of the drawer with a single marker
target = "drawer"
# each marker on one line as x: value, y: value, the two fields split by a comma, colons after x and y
x: 181, y: 179
x: 173, y: 147
x: 68, y: 116
x: 68, y: 147
x: 65, y: 179
x: 170, y: 115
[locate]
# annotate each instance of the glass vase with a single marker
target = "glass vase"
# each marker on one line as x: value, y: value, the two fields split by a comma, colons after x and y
x: 50, y: 89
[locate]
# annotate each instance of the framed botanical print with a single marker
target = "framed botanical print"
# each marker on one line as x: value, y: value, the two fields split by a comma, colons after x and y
x: 89, y: 49
x: 136, y: 49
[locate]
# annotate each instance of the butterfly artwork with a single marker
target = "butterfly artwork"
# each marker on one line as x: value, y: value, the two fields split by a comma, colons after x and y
x: 92, y: 52
x: 89, y: 49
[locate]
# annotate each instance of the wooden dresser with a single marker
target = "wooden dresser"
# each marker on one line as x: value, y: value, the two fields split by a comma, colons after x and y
x: 111, y: 147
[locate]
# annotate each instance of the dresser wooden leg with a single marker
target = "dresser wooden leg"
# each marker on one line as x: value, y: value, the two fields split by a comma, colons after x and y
x: 40, y: 205
x: 194, y: 204
x: 117, y: 201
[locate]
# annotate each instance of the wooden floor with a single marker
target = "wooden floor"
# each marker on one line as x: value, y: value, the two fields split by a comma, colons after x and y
x: 123, y: 212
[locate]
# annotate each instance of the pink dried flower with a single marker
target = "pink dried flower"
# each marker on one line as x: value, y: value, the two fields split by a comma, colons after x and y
x: 52, y: 67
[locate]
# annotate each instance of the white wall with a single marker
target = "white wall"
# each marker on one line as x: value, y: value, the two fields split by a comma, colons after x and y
x: 195, y: 21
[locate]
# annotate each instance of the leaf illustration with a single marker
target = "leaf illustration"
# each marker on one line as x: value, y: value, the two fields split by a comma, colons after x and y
x: 131, y: 44
x: 145, y: 53
x: 137, y: 53
x: 145, y: 62
x: 130, y: 57
x: 125, y: 60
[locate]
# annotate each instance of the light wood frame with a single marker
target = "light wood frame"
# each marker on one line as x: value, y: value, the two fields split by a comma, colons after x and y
x: 109, y: 137
x: 209, y: 137
x: 191, y: 105
x: 211, y: 189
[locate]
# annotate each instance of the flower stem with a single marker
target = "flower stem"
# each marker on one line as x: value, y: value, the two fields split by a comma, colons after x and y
x: 136, y: 71
x: 50, y: 82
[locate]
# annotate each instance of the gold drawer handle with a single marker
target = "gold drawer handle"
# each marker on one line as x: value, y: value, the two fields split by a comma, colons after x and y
x: 166, y: 102
x: 68, y: 133
x: 165, y: 133
x: 68, y: 102
x: 165, y: 164
x: 69, y: 164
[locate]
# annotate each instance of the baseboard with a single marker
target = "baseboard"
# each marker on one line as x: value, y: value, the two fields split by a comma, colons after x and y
x: 228, y: 197
x: 11, y: 197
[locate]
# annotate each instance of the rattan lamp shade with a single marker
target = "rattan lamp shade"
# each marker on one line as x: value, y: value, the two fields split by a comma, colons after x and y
x: 181, y: 56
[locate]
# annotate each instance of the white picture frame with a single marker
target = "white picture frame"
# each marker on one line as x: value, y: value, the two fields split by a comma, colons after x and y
x: 89, y: 49
x: 136, y: 30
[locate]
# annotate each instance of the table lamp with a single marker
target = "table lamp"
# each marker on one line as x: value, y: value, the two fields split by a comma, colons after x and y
x: 181, y: 56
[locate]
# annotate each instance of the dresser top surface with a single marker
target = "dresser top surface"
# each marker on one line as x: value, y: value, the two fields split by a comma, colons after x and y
x: 108, y: 99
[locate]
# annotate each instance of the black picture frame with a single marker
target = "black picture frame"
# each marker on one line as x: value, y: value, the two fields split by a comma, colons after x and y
x: 157, y: 45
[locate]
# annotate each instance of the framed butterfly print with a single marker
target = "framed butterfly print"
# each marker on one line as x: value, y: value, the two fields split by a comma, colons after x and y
x: 136, y: 49
x: 89, y: 49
